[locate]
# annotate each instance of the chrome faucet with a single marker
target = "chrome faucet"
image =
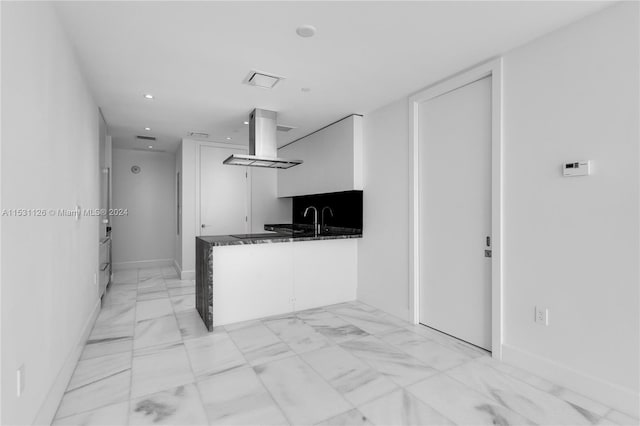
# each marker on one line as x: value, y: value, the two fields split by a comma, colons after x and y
x: 316, y: 227
x: 330, y: 211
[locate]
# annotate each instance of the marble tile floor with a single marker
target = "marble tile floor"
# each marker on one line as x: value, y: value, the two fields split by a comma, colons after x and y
x: 150, y: 360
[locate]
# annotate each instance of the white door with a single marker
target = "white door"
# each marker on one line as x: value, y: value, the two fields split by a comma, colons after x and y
x: 224, y: 200
x: 455, y: 212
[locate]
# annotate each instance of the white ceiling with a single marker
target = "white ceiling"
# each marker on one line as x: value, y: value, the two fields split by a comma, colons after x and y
x: 193, y: 57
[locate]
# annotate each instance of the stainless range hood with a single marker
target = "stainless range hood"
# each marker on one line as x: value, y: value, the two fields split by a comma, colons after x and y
x: 263, y: 149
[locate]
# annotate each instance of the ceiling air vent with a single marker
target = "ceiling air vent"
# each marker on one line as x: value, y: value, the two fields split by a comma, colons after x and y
x: 262, y: 79
x: 198, y: 135
x: 283, y: 128
x: 149, y: 149
x: 146, y: 138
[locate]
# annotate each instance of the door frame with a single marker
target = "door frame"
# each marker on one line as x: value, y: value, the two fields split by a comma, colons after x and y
x: 493, y: 69
x: 242, y: 149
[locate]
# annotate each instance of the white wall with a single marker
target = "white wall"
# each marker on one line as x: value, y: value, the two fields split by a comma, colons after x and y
x: 49, y: 160
x: 570, y: 244
x: 383, y: 251
x: 189, y: 149
x: 147, y: 233
x: 189, y: 230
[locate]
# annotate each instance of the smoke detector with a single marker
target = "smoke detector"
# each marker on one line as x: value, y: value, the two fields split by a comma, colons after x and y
x: 262, y: 79
x: 306, y: 31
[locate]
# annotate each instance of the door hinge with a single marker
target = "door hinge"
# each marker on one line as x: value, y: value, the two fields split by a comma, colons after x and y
x: 246, y: 218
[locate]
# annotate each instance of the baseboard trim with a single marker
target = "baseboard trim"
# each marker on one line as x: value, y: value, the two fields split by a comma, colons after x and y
x: 619, y: 397
x: 154, y: 263
x: 50, y: 405
x: 188, y: 275
x: 177, y: 267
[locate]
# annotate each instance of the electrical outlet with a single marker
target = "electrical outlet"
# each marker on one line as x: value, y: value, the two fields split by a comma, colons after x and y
x: 20, y: 380
x: 542, y: 315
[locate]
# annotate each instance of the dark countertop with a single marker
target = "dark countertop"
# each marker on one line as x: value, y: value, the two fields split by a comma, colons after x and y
x: 283, y: 233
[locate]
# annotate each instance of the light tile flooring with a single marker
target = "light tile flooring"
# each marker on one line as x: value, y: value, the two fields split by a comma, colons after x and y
x: 150, y: 360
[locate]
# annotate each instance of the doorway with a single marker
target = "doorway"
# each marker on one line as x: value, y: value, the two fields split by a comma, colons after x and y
x: 456, y: 207
x: 224, y: 193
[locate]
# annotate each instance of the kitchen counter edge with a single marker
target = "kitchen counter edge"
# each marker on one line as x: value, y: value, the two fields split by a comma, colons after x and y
x: 227, y: 240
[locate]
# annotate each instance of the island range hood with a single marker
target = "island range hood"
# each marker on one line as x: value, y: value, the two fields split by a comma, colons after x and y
x: 263, y: 149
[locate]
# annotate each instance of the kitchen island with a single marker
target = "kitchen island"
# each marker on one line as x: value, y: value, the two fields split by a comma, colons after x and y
x: 248, y: 276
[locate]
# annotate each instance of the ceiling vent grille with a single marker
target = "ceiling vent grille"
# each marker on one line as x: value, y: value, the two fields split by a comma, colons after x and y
x: 198, y: 135
x: 283, y: 128
x: 149, y: 149
x: 146, y: 138
x: 262, y: 79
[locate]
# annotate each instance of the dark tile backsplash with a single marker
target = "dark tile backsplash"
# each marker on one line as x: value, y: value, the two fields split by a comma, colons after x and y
x: 346, y: 206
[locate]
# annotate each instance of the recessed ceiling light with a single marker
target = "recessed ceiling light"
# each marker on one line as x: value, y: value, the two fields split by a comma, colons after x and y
x: 228, y: 138
x: 246, y: 122
x: 306, y: 31
x: 148, y: 129
x: 148, y: 96
x: 150, y: 146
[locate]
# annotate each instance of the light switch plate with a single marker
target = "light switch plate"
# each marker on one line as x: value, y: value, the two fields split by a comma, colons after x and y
x: 542, y: 315
x: 20, y: 379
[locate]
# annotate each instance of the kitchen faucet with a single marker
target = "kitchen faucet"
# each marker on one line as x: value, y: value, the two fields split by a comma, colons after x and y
x: 316, y: 227
x: 330, y: 211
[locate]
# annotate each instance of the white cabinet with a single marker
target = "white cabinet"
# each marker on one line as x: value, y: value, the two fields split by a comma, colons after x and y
x: 251, y: 281
x: 332, y: 160
x: 324, y: 272
x: 257, y: 280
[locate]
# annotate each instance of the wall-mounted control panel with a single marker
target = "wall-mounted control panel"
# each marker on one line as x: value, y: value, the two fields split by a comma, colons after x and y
x: 577, y: 168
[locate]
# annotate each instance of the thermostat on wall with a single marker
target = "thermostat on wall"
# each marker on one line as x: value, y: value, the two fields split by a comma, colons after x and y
x: 579, y: 168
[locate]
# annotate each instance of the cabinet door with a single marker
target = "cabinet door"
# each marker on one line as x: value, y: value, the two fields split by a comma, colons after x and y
x: 332, y: 161
x: 251, y: 281
x: 324, y: 272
